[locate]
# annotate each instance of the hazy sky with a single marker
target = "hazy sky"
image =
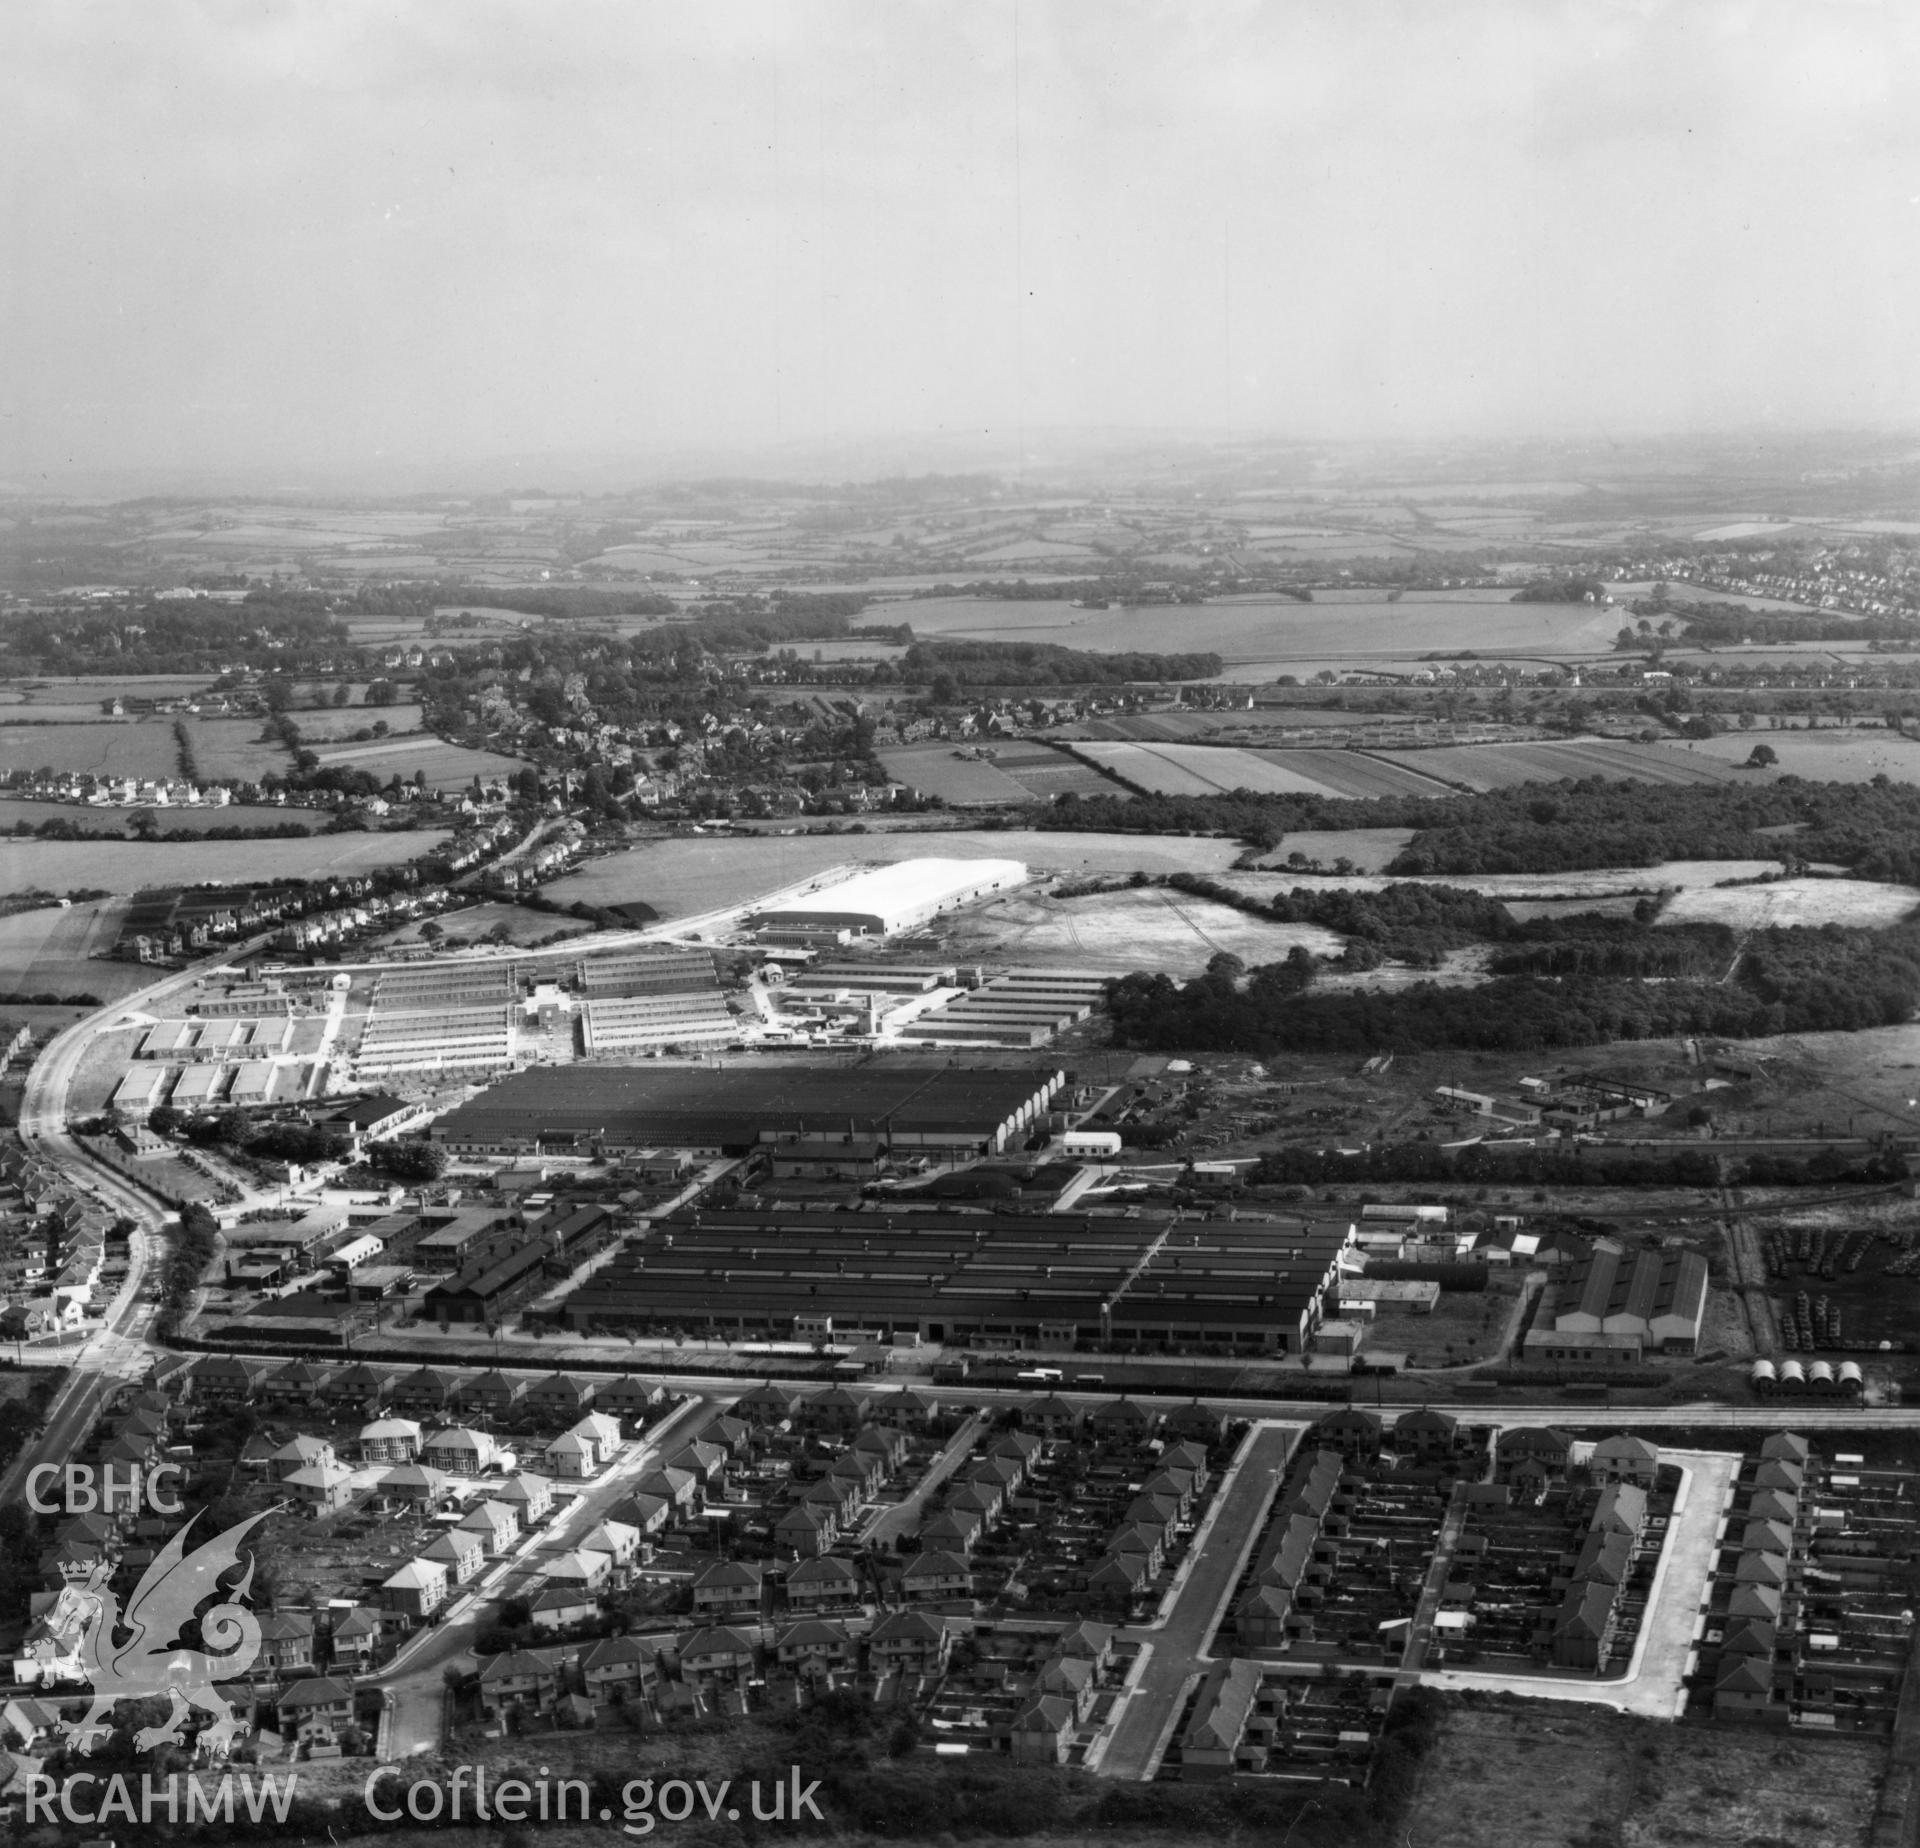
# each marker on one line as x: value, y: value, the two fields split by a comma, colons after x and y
x: 323, y: 234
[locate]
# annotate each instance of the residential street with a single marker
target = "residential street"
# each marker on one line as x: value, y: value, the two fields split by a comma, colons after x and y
x: 1181, y: 1637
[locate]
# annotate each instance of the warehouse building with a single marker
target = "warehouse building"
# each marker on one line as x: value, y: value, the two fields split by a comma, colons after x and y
x: 637, y: 1022
x: 1051, y: 1280
x: 945, y: 1113
x: 1660, y: 1296
x: 663, y: 971
x: 886, y: 899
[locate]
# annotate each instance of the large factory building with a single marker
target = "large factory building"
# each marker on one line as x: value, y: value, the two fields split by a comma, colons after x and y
x: 886, y: 899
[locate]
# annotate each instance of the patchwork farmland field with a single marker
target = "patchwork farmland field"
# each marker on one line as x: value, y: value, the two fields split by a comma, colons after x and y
x: 232, y: 750
x: 444, y: 765
x: 1790, y: 902
x: 1204, y: 770
x: 110, y: 747
x: 62, y: 866
x: 1045, y: 771
x: 1481, y: 767
x: 684, y: 878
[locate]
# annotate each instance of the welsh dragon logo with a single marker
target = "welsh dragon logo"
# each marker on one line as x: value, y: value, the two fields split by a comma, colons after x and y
x: 152, y: 1661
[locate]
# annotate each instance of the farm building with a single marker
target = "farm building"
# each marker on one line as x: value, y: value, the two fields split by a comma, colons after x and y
x: 941, y: 1111
x: 1661, y: 1296
x: 886, y: 899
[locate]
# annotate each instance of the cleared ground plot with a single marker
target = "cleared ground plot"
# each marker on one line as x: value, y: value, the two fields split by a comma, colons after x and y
x: 683, y: 878
x: 63, y: 866
x: 1532, y: 1772
x: 1122, y: 931
x: 1598, y: 882
x: 1791, y: 902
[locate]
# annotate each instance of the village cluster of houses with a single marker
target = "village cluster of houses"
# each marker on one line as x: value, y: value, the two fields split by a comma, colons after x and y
x: 52, y: 1249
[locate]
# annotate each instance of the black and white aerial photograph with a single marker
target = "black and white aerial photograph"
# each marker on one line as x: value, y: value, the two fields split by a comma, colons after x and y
x: 960, y: 923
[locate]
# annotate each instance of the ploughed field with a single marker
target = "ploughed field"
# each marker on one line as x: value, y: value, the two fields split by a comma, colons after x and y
x: 1184, y: 769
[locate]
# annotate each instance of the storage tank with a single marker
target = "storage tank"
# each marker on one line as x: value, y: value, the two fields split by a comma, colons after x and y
x: 1820, y: 1376
x: 1764, y: 1378
x: 1793, y: 1376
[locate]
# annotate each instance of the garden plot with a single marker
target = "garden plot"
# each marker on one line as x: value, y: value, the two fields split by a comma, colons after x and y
x: 1792, y: 903
x: 1149, y: 928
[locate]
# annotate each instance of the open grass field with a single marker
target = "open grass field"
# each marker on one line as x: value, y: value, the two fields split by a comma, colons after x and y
x: 14, y: 810
x: 477, y: 924
x: 1120, y: 931
x: 444, y: 765
x: 1561, y: 1774
x: 1278, y: 630
x: 233, y: 750
x: 62, y: 866
x: 90, y: 689
x: 107, y: 747
x: 1480, y: 767
x: 52, y: 952
x: 1852, y: 756
x: 1793, y: 903
x: 684, y: 878
x: 336, y: 724
x: 1371, y: 850
x: 963, y: 780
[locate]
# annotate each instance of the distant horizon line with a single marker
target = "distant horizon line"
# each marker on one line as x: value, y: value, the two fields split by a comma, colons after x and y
x: 834, y: 460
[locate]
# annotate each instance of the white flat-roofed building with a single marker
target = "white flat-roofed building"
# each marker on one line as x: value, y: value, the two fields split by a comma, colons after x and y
x: 142, y: 1088
x: 253, y: 1082
x: 199, y: 1086
x: 885, y: 899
